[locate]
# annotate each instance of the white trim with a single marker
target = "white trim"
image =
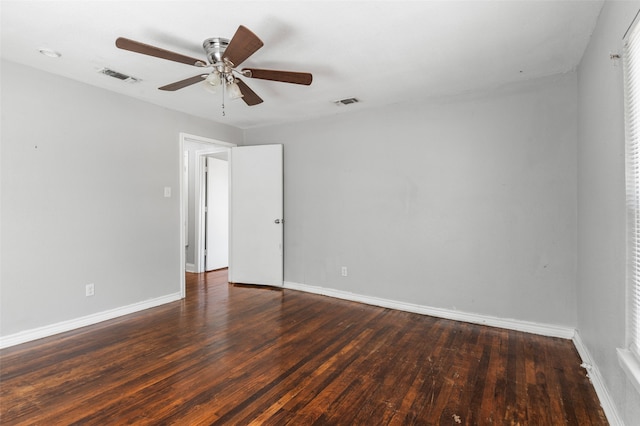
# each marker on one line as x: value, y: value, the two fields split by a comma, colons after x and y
x: 593, y: 373
x: 186, y: 137
x: 190, y: 267
x: 511, y: 324
x: 61, y: 327
x: 631, y: 366
x: 199, y: 187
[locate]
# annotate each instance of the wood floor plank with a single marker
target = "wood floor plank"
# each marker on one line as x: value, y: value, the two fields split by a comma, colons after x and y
x: 232, y: 354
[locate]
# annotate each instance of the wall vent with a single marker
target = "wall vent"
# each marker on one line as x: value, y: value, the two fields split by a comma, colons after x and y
x: 346, y: 101
x: 119, y: 75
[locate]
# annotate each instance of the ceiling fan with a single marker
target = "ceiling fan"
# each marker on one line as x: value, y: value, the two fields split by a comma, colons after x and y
x: 223, y: 56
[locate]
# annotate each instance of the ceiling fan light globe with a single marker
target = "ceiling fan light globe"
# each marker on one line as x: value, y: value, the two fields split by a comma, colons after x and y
x: 213, y: 79
x: 209, y: 87
x: 234, y: 91
x: 212, y: 82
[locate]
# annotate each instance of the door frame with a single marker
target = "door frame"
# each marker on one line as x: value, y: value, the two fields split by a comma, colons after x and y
x: 205, y: 207
x: 216, y: 146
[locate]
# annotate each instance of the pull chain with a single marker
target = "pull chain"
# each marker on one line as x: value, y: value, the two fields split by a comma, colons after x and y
x: 224, y: 83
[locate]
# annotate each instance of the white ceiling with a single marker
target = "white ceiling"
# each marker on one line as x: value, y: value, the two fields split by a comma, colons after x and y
x: 382, y: 52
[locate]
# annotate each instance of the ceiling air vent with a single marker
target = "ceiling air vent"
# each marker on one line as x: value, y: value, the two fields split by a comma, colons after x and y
x: 118, y: 75
x: 346, y: 101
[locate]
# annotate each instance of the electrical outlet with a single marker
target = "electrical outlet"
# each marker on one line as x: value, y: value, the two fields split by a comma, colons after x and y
x: 344, y: 271
x: 89, y: 290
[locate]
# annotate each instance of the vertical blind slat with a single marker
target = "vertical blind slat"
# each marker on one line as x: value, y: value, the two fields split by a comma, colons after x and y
x: 632, y: 124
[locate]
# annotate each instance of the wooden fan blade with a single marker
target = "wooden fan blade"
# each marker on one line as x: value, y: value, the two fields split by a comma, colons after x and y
x: 248, y: 96
x: 284, y: 76
x: 146, y: 49
x: 243, y: 44
x: 183, y: 83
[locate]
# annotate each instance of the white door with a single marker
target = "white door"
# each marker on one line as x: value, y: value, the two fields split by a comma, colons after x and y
x: 256, y: 245
x: 217, y: 215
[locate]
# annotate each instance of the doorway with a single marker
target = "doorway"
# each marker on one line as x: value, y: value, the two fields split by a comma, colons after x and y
x: 194, y: 151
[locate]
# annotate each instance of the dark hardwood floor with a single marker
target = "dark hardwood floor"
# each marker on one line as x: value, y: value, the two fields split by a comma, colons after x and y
x: 234, y: 355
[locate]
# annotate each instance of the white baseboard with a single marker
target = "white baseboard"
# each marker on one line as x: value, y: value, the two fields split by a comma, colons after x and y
x: 190, y: 267
x: 510, y: 324
x: 61, y: 327
x: 593, y: 373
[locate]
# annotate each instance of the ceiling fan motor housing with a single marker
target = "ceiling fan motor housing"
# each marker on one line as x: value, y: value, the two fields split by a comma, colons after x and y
x: 214, y: 48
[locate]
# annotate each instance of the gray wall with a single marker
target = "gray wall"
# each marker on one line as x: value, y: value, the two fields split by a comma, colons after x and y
x: 83, y: 172
x: 601, y: 204
x: 467, y: 203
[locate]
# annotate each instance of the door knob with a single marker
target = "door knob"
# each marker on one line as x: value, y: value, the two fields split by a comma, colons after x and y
x: 279, y: 221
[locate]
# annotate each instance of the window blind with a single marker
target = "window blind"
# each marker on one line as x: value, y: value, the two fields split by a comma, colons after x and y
x: 632, y: 123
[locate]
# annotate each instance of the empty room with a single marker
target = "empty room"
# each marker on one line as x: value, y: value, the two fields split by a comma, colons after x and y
x: 320, y: 212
